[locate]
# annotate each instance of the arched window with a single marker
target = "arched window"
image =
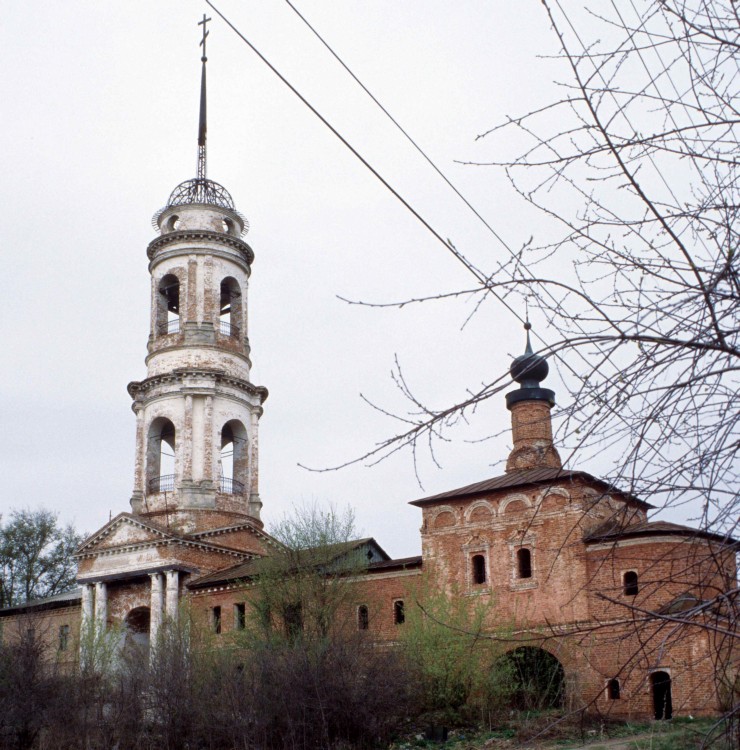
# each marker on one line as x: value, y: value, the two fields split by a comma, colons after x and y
x: 479, y: 569
x: 230, y: 307
x: 612, y: 689
x: 629, y: 581
x: 363, y: 617
x: 234, y: 459
x: 168, y: 305
x: 524, y: 563
x: 399, y: 613
x: 160, y: 458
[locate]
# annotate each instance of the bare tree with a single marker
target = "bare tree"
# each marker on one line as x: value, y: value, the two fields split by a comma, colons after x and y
x: 634, y: 284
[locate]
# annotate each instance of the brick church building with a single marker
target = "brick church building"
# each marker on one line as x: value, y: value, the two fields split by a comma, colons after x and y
x: 570, y: 563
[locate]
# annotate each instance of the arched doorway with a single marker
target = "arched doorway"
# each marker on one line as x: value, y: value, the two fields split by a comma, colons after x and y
x: 660, y: 682
x: 535, y: 679
x: 137, y: 629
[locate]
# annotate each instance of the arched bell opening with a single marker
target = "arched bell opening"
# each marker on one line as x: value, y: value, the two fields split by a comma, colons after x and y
x: 160, y: 458
x: 234, y: 458
x: 230, y: 307
x: 168, y: 305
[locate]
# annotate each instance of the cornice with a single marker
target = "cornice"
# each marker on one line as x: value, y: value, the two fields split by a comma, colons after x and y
x: 219, y: 377
x: 201, y: 235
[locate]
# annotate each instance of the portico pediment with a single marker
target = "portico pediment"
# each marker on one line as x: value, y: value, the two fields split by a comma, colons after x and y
x: 123, y: 531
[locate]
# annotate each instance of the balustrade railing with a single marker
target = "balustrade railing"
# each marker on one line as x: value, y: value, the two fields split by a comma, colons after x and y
x: 228, y: 329
x: 165, y: 483
x: 230, y: 486
x: 170, y: 326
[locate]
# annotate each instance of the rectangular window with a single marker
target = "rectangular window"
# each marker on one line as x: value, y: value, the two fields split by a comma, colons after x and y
x: 399, y: 615
x: 216, y: 619
x: 240, y: 616
x: 63, y: 637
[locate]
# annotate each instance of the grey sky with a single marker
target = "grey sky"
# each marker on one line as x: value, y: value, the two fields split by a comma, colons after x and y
x: 99, y: 124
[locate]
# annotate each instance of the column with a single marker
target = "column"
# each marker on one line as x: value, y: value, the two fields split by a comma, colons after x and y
x: 172, y: 595
x: 87, y: 608
x: 101, y: 606
x: 156, y: 606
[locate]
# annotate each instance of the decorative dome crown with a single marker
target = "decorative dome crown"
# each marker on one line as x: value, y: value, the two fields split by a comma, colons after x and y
x: 201, y: 190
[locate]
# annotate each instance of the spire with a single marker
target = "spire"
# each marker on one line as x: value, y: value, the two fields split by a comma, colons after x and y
x: 530, y: 406
x: 201, y: 172
x: 200, y: 190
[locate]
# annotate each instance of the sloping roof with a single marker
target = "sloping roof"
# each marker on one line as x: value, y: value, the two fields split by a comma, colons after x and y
x: 523, y: 478
x: 612, y: 531
x: 250, y: 567
x: 66, y: 599
x: 401, y: 562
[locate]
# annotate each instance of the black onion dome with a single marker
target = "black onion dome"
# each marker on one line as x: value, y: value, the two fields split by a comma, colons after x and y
x: 529, y: 370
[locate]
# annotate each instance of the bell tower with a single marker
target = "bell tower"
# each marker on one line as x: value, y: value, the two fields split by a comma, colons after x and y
x: 197, y: 411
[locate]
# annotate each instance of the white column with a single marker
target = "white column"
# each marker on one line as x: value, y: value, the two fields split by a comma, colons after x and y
x: 87, y: 607
x: 157, y: 603
x: 172, y: 596
x: 101, y: 605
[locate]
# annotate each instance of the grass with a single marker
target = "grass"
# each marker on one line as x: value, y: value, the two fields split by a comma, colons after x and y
x: 678, y: 734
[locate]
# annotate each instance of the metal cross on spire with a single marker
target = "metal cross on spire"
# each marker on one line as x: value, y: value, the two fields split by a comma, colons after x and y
x: 201, y: 173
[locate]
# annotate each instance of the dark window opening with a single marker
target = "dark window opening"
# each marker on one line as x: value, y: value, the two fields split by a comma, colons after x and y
x: 524, y: 563
x: 216, y: 620
x: 363, y: 618
x: 479, y: 569
x: 293, y: 617
x: 63, y: 637
x: 240, y: 616
x: 399, y: 615
x: 630, y: 583
x: 612, y: 689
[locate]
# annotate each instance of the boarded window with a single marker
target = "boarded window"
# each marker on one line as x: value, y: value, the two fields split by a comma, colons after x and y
x: 524, y: 563
x: 63, y: 637
x: 363, y: 617
x: 399, y: 615
x: 240, y: 616
x: 479, y: 569
x: 216, y: 619
x: 612, y: 690
x: 630, y: 583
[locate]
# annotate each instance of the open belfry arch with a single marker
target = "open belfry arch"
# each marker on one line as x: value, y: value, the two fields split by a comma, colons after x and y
x: 195, y: 505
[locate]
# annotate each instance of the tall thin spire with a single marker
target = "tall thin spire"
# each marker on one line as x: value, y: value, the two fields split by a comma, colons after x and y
x: 201, y: 173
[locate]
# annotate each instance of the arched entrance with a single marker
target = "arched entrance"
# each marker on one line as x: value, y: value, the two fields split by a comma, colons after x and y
x: 660, y: 683
x: 535, y: 678
x: 137, y: 629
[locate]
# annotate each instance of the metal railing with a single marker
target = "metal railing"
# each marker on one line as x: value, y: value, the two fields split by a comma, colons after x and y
x: 170, y: 326
x: 227, y: 329
x: 230, y: 486
x: 165, y: 483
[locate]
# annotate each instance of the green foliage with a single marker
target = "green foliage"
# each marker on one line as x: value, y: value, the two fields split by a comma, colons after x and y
x: 445, y: 638
x: 299, y: 593
x: 35, y: 557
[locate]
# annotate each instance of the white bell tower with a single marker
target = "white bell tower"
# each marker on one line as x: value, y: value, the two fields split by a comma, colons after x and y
x: 197, y: 411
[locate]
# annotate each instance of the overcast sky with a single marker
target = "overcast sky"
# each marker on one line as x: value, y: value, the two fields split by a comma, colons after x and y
x: 99, y: 125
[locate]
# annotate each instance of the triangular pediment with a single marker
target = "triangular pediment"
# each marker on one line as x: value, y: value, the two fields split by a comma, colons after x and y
x: 123, y: 531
